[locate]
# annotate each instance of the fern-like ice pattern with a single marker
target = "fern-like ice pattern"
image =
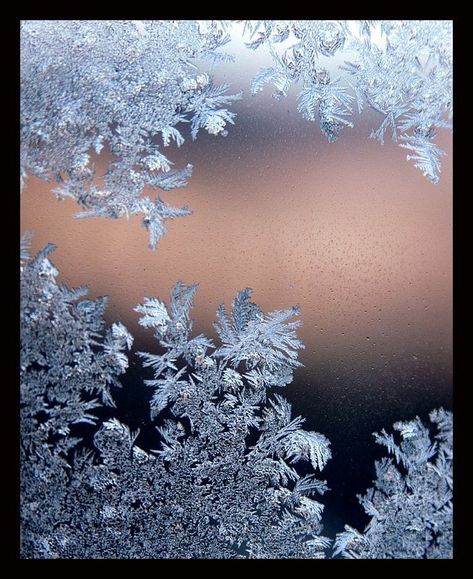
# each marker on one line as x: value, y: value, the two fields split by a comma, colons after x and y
x: 411, y: 502
x: 124, y: 88
x: 68, y: 365
x: 232, y: 473
x: 222, y: 481
x: 400, y: 69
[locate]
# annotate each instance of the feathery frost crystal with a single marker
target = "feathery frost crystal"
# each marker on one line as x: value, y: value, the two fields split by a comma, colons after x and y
x: 125, y: 88
x: 411, y: 503
x: 400, y: 69
x: 222, y: 481
x: 231, y: 473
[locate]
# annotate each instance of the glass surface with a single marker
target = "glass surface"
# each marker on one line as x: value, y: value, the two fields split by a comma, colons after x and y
x: 349, y: 230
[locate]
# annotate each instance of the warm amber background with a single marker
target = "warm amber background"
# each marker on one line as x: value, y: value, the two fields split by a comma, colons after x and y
x: 351, y: 231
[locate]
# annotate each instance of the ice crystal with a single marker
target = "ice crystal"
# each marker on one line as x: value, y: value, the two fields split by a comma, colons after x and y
x: 231, y: 472
x: 116, y: 88
x: 68, y: 363
x: 411, y: 503
x: 400, y: 69
x: 223, y: 479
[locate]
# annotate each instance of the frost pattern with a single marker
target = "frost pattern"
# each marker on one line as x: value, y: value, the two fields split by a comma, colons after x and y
x: 223, y: 479
x: 400, y: 69
x: 123, y: 88
x: 232, y: 473
x: 68, y: 363
x: 411, y: 503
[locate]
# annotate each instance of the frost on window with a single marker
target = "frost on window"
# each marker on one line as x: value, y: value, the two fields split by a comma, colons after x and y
x: 400, y: 69
x: 225, y: 469
x: 411, y: 503
x: 69, y: 363
x: 124, y: 89
x: 223, y: 480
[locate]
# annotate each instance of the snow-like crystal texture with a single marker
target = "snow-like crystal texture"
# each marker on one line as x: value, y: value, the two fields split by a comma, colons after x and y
x: 223, y: 480
x: 401, y: 69
x: 125, y: 88
x: 411, y: 502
